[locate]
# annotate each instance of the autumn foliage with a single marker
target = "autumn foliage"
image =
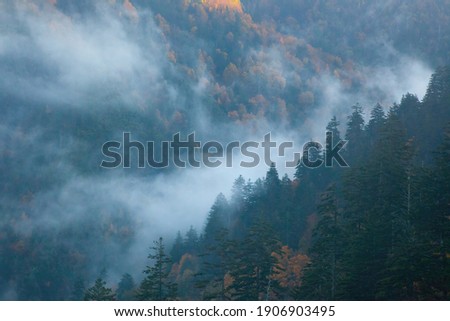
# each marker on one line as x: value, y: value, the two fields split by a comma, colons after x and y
x: 233, y: 5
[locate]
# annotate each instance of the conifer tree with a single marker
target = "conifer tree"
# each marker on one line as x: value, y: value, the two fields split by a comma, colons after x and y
x: 376, y: 123
x: 191, y: 241
x: 126, y: 288
x: 355, y: 136
x: 177, y: 250
x: 214, y: 245
x: 216, y: 262
x: 333, y: 127
x: 253, y: 264
x: 217, y: 220
x: 157, y: 285
x: 321, y: 277
x: 99, y: 292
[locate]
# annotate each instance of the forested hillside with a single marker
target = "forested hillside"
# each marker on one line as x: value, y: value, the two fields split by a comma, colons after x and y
x: 76, y: 74
x: 376, y: 231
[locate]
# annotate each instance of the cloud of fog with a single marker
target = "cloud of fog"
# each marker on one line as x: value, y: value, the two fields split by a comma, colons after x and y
x: 384, y: 84
x: 151, y: 207
x: 61, y: 59
x: 388, y: 83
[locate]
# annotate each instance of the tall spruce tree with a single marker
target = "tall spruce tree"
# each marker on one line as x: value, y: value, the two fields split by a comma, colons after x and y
x: 321, y: 277
x: 218, y: 219
x: 375, y: 124
x: 126, y: 288
x: 214, y: 245
x: 215, y: 265
x: 157, y: 285
x: 355, y: 135
x: 435, y: 109
x: 333, y: 127
x: 99, y: 292
x: 253, y: 264
x: 177, y: 250
x: 191, y: 241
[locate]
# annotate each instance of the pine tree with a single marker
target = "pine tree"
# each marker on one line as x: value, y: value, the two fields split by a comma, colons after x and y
x: 410, y: 114
x: 126, y: 288
x: 272, y: 196
x: 321, y: 277
x: 272, y: 181
x: 333, y: 127
x: 288, y: 221
x: 441, y: 217
x: 238, y: 192
x: 309, y: 183
x: 99, y: 292
x: 253, y: 264
x: 217, y: 220
x: 438, y: 88
x: 251, y: 208
x: 216, y: 260
x: 435, y: 111
x: 191, y: 241
x: 177, y: 250
x: 376, y: 123
x: 157, y: 285
x: 214, y: 243
x: 331, y: 172
x: 356, y: 147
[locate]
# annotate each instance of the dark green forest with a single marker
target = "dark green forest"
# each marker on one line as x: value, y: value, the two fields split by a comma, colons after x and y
x: 376, y: 231
x: 77, y: 74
